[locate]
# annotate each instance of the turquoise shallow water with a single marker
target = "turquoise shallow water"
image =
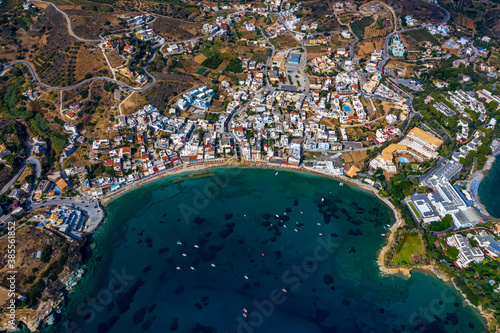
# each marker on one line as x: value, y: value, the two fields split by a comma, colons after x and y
x: 257, y: 252
x: 489, y: 190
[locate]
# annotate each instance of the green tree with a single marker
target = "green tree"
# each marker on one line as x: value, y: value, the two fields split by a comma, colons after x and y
x: 452, y: 252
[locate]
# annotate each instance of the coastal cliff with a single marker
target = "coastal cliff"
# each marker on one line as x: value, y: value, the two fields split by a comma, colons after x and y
x: 58, y: 274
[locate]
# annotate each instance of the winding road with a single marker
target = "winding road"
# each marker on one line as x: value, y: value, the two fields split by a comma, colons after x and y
x: 389, y: 36
x: 30, y: 160
x: 81, y: 83
x: 37, y: 81
x: 70, y: 29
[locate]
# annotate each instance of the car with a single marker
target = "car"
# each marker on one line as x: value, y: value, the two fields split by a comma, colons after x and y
x: 86, y: 205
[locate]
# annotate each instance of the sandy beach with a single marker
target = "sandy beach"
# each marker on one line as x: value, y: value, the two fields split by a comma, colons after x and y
x: 233, y: 162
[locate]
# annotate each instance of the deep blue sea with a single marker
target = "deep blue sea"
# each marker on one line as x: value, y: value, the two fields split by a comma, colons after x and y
x: 489, y: 190
x: 246, y: 250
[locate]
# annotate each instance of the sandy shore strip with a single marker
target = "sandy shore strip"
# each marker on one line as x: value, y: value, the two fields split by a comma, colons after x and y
x: 385, y: 271
x: 233, y: 162
x: 479, y: 176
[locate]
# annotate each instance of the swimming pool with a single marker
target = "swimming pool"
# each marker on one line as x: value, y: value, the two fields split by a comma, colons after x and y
x: 347, y: 108
x: 403, y: 160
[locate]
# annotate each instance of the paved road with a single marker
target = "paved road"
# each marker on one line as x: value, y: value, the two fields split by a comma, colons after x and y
x: 70, y: 30
x: 36, y: 163
x: 264, y: 83
x: 94, y: 215
x: 389, y: 36
x: 81, y: 83
x: 303, y: 61
x: 30, y: 160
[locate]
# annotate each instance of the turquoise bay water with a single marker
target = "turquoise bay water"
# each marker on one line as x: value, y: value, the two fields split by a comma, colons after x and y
x: 489, y: 190
x: 258, y: 252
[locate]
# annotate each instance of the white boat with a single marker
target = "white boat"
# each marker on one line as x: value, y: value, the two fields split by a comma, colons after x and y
x: 296, y: 230
x: 184, y: 255
x: 192, y: 268
x: 179, y: 243
x: 341, y: 184
x: 276, y: 174
x: 177, y: 267
x: 382, y: 234
x: 246, y: 277
x: 322, y: 199
x: 213, y: 265
x: 196, y: 246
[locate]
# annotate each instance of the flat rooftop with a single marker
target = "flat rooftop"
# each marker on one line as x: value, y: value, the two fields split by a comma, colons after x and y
x: 294, y: 57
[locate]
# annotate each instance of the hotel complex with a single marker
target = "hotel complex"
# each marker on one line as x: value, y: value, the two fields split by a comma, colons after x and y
x: 418, y: 144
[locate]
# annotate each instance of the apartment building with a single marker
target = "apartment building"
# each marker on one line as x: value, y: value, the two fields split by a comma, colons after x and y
x: 422, y: 142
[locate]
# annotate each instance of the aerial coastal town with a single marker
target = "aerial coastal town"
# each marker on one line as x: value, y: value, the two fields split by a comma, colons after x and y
x: 400, y: 100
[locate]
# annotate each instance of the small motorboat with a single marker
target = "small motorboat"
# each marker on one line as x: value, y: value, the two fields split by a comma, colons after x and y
x: 296, y: 230
x: 246, y: 277
x: 196, y: 246
x: 184, y: 255
x: 382, y: 234
x: 192, y: 268
x: 179, y: 243
x: 213, y: 265
x: 276, y: 173
x: 341, y: 184
x: 177, y: 267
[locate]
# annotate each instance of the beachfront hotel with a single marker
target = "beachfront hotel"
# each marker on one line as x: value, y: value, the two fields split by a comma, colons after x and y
x: 422, y: 142
x: 423, y: 146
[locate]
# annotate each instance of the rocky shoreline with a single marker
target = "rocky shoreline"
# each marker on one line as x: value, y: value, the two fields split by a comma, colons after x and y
x: 46, y: 314
x: 480, y: 176
x: 47, y: 310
